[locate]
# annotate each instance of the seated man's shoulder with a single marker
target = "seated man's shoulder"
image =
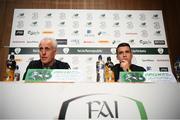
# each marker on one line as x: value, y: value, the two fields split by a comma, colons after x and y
x: 116, y: 66
x: 138, y: 68
x: 62, y: 65
x: 34, y: 64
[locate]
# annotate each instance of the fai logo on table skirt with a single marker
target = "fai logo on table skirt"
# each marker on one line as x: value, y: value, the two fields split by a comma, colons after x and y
x: 102, y: 106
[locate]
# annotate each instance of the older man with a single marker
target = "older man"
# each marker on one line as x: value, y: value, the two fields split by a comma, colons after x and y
x: 47, y: 52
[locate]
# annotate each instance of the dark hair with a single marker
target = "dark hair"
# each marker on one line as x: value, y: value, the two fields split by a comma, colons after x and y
x: 122, y: 45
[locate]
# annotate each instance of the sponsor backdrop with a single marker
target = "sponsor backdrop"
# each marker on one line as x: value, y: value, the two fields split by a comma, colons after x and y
x: 82, y: 35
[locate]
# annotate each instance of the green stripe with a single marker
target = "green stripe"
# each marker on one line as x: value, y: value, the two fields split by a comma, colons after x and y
x: 141, y: 109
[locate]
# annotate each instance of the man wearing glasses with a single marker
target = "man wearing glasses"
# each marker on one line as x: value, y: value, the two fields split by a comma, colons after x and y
x: 47, y: 52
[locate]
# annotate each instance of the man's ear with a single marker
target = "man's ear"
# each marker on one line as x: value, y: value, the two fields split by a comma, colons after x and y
x: 131, y: 55
x: 55, y: 50
x: 116, y: 56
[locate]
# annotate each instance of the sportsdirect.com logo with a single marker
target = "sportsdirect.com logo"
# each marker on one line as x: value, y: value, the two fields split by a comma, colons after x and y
x: 102, y: 106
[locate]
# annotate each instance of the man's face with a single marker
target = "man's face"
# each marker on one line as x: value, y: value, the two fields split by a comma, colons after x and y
x: 124, y: 54
x: 46, y: 52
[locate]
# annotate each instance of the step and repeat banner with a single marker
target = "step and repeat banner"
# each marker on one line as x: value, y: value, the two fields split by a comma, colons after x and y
x: 82, y: 35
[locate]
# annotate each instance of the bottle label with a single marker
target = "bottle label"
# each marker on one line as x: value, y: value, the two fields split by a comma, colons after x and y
x: 17, y: 77
x: 9, y: 75
x: 100, y: 72
x: 109, y: 74
x: 101, y: 75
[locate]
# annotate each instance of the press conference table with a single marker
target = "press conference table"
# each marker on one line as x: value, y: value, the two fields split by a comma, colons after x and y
x: 20, y: 100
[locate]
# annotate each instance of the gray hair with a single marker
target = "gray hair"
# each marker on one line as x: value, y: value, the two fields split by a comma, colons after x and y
x: 54, y: 42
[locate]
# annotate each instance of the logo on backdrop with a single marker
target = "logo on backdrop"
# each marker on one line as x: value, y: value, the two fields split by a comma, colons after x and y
x: 145, y: 42
x: 61, y: 41
x: 102, y: 106
x: 163, y: 69
x: 19, y: 32
x: 17, y: 50
x: 21, y: 15
x: 160, y: 50
x: 159, y: 42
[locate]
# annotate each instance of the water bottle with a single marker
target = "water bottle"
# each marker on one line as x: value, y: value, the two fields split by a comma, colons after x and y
x: 177, y: 68
x: 10, y: 68
x: 100, y: 69
x: 109, y: 74
x: 17, y: 74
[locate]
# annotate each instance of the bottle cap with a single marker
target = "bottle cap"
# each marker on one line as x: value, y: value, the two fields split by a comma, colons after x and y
x: 100, y: 57
x: 108, y: 58
x: 12, y: 56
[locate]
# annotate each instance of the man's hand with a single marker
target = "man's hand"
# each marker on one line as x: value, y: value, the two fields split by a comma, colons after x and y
x: 125, y: 65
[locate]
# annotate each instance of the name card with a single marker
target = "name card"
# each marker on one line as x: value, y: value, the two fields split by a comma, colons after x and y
x: 147, y: 77
x: 53, y: 75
